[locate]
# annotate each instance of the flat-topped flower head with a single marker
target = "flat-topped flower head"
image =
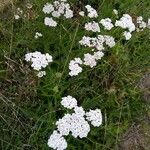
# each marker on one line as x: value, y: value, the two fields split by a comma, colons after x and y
x: 50, y: 22
x: 89, y: 60
x: 110, y: 41
x: 48, y: 8
x: 64, y: 124
x: 92, y: 26
x: 75, y: 124
x: 74, y: 67
x: 107, y: 23
x: 92, y: 13
x: 38, y: 60
x: 127, y: 35
x: 98, y: 55
x: 141, y: 24
x: 79, y: 111
x: 69, y: 102
x: 57, y: 141
x: 58, y: 8
x: 126, y: 23
x: 79, y: 126
x: 95, y: 117
x: 97, y: 42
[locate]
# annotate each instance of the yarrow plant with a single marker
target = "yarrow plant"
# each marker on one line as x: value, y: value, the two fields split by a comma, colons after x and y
x: 75, y: 124
x: 78, y: 123
x: 99, y: 42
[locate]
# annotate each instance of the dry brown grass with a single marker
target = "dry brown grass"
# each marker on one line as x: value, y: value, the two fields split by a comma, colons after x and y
x: 4, y: 3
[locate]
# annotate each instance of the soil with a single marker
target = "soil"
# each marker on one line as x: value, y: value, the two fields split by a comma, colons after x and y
x: 138, y: 135
x: 144, y: 85
x: 4, y: 3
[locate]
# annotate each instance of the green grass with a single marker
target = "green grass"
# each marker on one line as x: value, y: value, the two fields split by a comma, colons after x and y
x: 30, y: 107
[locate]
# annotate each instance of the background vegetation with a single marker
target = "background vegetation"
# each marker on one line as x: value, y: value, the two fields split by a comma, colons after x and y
x: 30, y: 106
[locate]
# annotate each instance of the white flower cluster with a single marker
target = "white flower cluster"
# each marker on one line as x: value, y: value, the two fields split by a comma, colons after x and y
x: 141, y: 24
x: 97, y: 42
x: 92, y: 13
x: 69, y: 102
x: 91, y: 59
x: 57, y: 9
x: 50, y: 22
x: 39, y: 61
x: 127, y: 35
x: 74, y: 67
x: 74, y: 124
x: 126, y: 22
x: 107, y: 23
x: 57, y: 141
x: 92, y: 26
x: 37, y: 35
x: 95, y: 116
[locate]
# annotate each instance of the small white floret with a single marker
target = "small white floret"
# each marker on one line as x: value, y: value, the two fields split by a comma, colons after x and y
x: 41, y: 74
x: 92, y: 26
x: 69, y: 102
x: 74, y: 67
x: 79, y: 111
x: 56, y: 14
x: 57, y: 141
x: 95, y: 117
x: 89, y: 60
x: 37, y: 35
x: 115, y: 11
x: 92, y: 13
x: 98, y: 55
x: 64, y: 124
x: 17, y: 17
x: 127, y: 35
x: 107, y: 23
x: 82, y: 13
x: 79, y: 126
x: 48, y: 8
x: 50, y: 22
x: 68, y: 13
x: 110, y: 41
x: 148, y: 23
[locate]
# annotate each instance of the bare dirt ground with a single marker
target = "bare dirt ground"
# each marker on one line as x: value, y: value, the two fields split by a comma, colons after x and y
x: 138, y: 135
x: 4, y: 3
